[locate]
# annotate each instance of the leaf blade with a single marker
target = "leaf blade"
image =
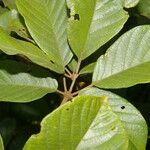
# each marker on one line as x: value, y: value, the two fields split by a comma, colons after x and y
x: 47, y: 26
x: 13, y: 46
x: 88, y: 122
x: 19, y: 86
x: 1, y: 143
x: 131, y: 118
x: 103, y: 20
x: 133, y: 64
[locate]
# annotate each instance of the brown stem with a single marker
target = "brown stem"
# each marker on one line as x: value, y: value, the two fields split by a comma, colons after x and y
x: 68, y: 76
x: 64, y: 101
x: 75, y: 75
x: 60, y: 92
x: 77, y: 92
x: 68, y: 71
x: 65, y: 84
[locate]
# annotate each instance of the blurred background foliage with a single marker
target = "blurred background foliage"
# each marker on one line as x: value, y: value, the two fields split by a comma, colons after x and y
x: 18, y: 121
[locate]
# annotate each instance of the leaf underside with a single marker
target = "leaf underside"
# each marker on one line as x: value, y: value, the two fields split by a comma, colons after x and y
x: 90, y: 122
x: 126, y: 62
x: 93, y: 23
x: 17, y: 85
x: 12, y: 46
x: 135, y: 128
x: 47, y: 22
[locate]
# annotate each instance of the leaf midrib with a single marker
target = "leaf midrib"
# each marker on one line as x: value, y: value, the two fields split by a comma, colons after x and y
x: 120, y: 72
x: 52, y: 30
x: 28, y: 86
x: 82, y: 52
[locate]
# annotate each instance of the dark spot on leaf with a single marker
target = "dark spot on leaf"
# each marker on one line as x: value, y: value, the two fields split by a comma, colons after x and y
x: 122, y: 107
x: 67, y: 109
x: 113, y: 128
x: 23, y: 29
x: 68, y: 12
x: 76, y: 17
x: 51, y: 61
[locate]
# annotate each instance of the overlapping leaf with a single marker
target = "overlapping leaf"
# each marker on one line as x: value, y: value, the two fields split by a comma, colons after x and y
x: 91, y: 122
x: 10, y: 4
x: 129, y: 3
x: 16, y: 85
x: 144, y: 8
x: 13, y: 46
x: 65, y: 127
x: 135, y: 128
x: 93, y: 23
x: 127, y: 61
x: 47, y: 23
x: 1, y: 143
x: 11, y: 21
x: 88, y: 69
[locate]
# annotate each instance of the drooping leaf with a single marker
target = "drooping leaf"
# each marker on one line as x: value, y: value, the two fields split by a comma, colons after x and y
x: 12, y: 46
x: 10, y: 4
x: 88, y: 69
x: 47, y: 23
x: 1, y: 143
x: 89, y: 122
x: 93, y: 23
x: 65, y: 127
x: 127, y: 61
x: 17, y: 85
x: 134, y: 125
x: 144, y: 8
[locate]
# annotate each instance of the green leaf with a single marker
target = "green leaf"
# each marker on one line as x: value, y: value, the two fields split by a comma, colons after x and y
x: 10, y: 4
x: 11, y: 21
x: 12, y: 46
x: 144, y: 8
x: 66, y: 126
x: 47, y: 23
x: 1, y: 143
x: 127, y: 61
x: 135, y: 128
x: 72, y: 65
x: 130, y: 3
x: 88, y: 69
x: 17, y: 85
x: 2, y: 10
x: 90, y: 122
x: 93, y: 23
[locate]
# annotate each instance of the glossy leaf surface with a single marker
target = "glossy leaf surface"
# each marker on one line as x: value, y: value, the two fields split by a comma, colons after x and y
x: 12, y: 46
x: 47, y: 23
x: 130, y: 3
x: 66, y: 126
x: 89, y: 122
x: 93, y: 23
x: 126, y: 62
x: 17, y: 85
x: 135, y: 128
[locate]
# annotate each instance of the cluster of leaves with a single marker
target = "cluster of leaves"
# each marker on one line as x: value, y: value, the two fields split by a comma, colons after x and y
x: 69, y: 39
